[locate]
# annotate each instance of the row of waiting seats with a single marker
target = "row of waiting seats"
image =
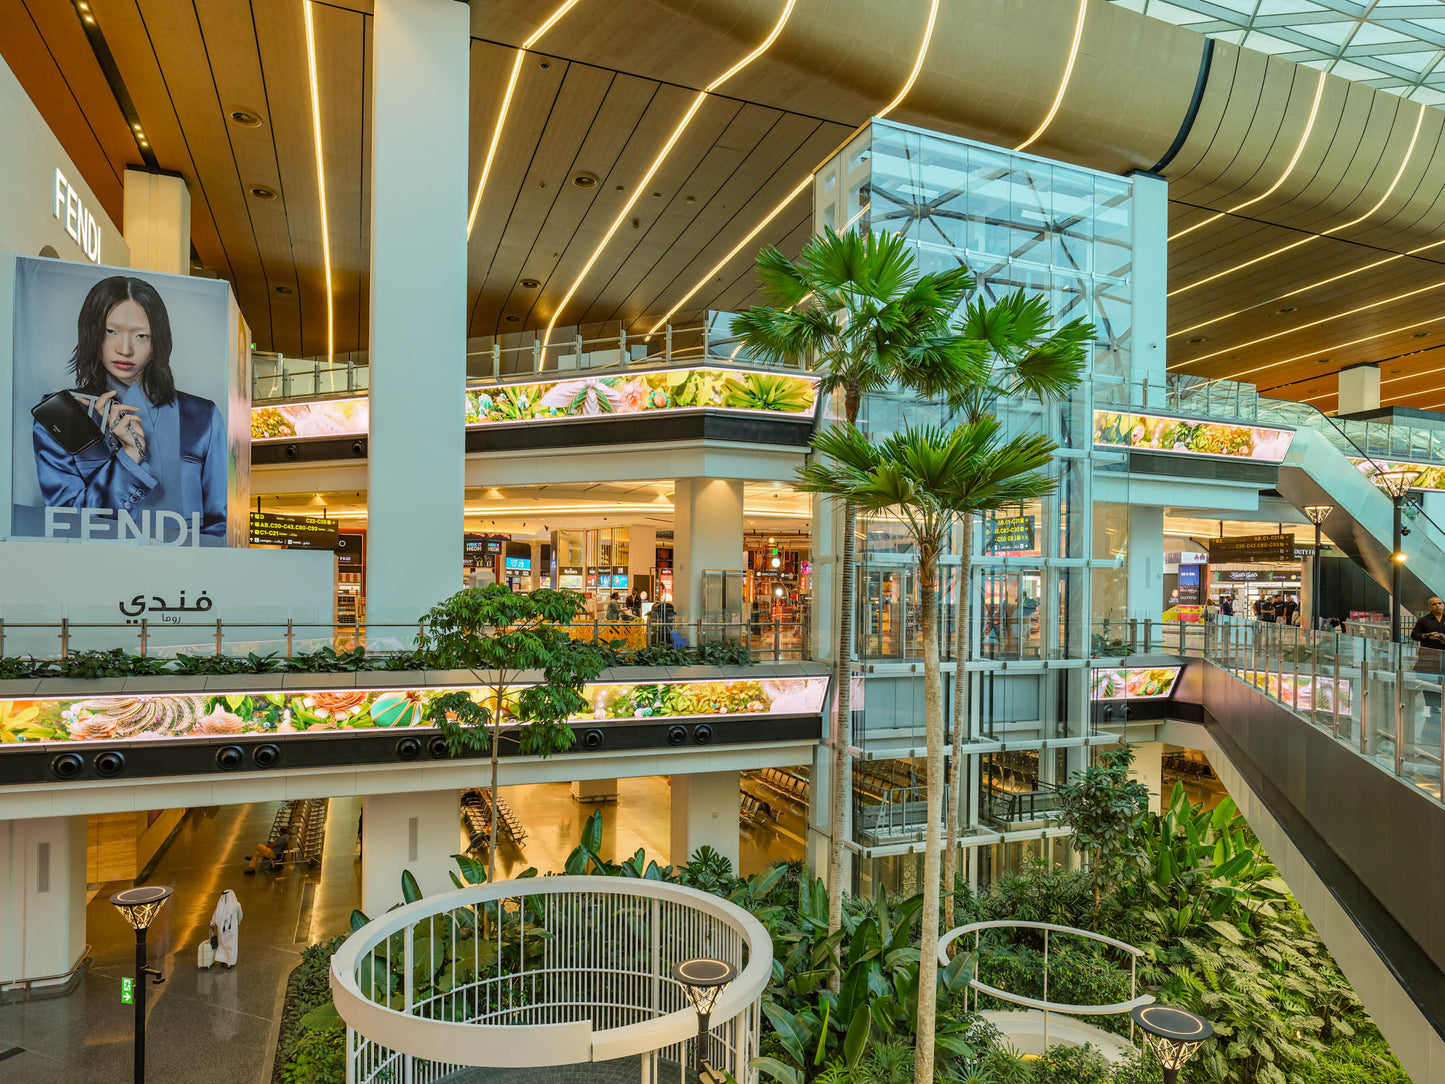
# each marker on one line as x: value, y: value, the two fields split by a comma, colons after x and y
x: 477, y: 816
x: 305, y: 821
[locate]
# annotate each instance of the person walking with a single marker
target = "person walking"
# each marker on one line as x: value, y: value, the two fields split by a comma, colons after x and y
x: 226, y: 929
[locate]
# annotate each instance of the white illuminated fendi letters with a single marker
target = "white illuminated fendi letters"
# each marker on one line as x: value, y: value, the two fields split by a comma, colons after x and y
x: 79, y: 222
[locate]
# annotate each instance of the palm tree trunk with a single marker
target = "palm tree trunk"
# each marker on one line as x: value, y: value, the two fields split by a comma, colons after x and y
x: 960, y: 718
x: 840, y: 788
x: 492, y: 830
x: 933, y: 717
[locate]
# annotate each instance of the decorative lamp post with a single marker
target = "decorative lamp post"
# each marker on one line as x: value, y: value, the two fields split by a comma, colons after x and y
x: 703, y: 981
x: 1173, y: 1034
x: 1317, y: 514
x: 1396, y: 483
x: 139, y: 907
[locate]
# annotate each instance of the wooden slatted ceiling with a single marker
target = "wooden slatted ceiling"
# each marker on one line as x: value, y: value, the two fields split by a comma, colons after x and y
x: 45, y: 47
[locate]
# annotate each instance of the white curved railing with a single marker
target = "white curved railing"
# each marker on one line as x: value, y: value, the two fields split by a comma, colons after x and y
x: 546, y: 971
x: 978, y: 986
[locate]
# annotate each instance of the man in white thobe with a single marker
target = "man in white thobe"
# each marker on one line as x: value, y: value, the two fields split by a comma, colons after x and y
x: 226, y: 928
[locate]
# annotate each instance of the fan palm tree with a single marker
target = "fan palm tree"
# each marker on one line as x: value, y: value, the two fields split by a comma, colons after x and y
x: 924, y: 476
x: 1025, y: 358
x: 855, y: 308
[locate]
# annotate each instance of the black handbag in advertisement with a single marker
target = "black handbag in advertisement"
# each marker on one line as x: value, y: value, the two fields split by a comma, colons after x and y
x: 67, y: 420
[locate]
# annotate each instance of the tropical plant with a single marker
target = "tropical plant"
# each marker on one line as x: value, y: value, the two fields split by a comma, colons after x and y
x: 923, y: 476
x: 498, y: 635
x: 854, y: 308
x: 1026, y: 358
x: 1101, y: 804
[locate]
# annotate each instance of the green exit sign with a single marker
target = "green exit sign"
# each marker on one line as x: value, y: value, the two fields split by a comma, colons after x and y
x: 127, y: 991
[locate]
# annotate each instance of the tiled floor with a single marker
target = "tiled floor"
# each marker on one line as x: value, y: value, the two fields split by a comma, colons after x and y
x: 201, y: 1025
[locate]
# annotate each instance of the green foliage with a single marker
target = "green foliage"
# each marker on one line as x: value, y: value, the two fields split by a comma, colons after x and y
x: 1101, y: 804
x: 312, y: 1045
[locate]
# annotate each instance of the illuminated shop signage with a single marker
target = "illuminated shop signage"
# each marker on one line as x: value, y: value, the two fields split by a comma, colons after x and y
x: 1430, y: 477
x: 1190, y: 436
x: 279, y: 714
x: 1153, y: 683
x: 643, y: 393
x: 83, y: 227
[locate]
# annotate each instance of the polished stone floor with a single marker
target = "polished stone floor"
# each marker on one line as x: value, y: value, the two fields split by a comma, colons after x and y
x: 201, y: 1025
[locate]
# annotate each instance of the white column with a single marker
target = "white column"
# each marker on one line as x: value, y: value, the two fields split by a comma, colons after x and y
x: 1359, y: 389
x: 641, y: 556
x: 414, y: 831
x: 1149, y: 282
x: 42, y: 898
x: 158, y: 222
x: 707, y: 535
x: 539, y: 577
x: 1146, y: 562
x: 1149, y: 769
x: 420, y: 95
x: 594, y: 790
x: 705, y: 813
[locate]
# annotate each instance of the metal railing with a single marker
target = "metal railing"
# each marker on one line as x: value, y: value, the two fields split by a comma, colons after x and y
x: 276, y: 378
x: 549, y: 971
x: 1381, y: 698
x: 1011, y: 809
x: 774, y: 641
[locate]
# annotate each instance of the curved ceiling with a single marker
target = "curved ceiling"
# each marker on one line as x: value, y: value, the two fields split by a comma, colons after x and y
x: 1303, y: 205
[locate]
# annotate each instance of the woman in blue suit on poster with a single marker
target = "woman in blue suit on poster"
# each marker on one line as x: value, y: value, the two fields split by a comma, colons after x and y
x: 164, y: 449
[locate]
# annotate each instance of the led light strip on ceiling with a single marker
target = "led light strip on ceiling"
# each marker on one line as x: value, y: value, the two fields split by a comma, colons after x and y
x: 641, y: 186
x: 1064, y: 81
x: 1305, y: 327
x: 320, y: 178
x: 1409, y: 153
x: 808, y: 180
x: 1294, y: 161
x: 536, y: 36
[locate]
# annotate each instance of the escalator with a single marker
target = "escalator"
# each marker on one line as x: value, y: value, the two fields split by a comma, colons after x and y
x: 1319, y: 470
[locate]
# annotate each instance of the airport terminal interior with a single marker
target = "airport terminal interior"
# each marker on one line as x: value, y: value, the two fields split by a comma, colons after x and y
x: 757, y: 541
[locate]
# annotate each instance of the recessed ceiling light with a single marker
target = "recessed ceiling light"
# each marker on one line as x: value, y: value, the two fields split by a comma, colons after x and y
x: 544, y: 65
x: 619, y: 188
x: 657, y: 195
x: 1287, y: 308
x: 511, y: 318
x: 245, y: 118
x: 1323, y: 361
x: 690, y: 199
x: 260, y: 191
x: 284, y: 290
x: 1199, y: 339
x: 530, y: 284
x: 1419, y: 334
x: 585, y: 180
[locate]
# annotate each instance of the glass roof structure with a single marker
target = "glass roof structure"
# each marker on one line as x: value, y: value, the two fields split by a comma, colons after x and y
x: 1392, y: 46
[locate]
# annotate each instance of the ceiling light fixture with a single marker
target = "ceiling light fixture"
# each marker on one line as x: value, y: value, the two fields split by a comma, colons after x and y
x: 320, y: 178
x: 585, y: 180
x: 1294, y: 160
x: 1409, y: 153
x: 529, y: 284
x: 657, y: 161
x: 260, y: 191
x: 1064, y: 81
x: 536, y: 35
x: 245, y: 118
x: 808, y: 180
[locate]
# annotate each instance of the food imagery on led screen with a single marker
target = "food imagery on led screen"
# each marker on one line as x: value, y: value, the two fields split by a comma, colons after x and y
x: 1153, y: 683
x: 126, y: 718
x: 1190, y: 436
x: 1315, y: 694
x: 558, y: 400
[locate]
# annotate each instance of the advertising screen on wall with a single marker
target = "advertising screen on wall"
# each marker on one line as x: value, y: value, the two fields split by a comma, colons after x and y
x: 1431, y: 476
x: 677, y: 389
x: 118, y: 718
x: 1153, y: 683
x: 1190, y: 436
x: 130, y: 407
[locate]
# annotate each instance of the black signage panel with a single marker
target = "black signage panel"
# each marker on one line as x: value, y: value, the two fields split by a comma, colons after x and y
x: 293, y: 532
x: 1014, y: 534
x: 1252, y: 549
x: 1254, y: 575
x: 351, y: 550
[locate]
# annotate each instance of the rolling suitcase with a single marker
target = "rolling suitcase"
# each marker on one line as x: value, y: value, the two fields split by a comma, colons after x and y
x: 205, y: 955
